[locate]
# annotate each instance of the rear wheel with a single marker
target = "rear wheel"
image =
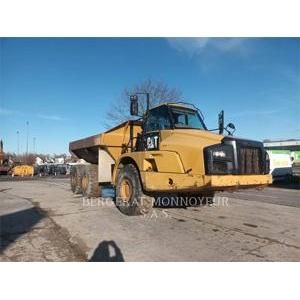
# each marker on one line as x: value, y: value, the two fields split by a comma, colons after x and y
x: 89, y: 181
x: 130, y: 198
x: 75, y: 179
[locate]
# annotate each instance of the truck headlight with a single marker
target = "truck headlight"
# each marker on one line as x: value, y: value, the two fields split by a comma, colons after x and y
x: 220, y: 154
x: 219, y: 159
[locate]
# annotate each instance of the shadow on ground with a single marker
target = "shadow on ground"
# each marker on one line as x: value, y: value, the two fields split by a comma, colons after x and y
x: 182, y: 201
x: 13, y: 225
x: 107, y: 251
x: 292, y: 183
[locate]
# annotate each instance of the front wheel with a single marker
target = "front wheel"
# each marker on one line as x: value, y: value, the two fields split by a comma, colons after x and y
x: 130, y: 198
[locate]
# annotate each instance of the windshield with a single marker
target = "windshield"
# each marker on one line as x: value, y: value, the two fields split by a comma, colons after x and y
x: 184, y: 118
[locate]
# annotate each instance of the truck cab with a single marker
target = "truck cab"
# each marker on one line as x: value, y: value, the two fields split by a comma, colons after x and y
x: 168, y: 116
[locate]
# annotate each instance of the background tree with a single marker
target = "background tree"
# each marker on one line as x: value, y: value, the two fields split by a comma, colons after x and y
x: 159, y: 92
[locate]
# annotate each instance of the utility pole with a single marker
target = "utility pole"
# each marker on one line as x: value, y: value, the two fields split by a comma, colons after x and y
x: 27, y: 137
x: 34, y: 139
x: 27, y: 132
x: 18, y: 142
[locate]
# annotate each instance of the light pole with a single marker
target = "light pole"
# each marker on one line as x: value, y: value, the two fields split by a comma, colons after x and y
x: 27, y: 132
x: 34, y: 139
x: 18, y: 142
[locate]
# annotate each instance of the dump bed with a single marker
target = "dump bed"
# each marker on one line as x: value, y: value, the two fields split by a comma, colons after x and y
x: 115, y: 141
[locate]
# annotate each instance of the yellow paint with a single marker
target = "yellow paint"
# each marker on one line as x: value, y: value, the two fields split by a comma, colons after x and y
x: 189, y: 144
x: 183, y: 182
x: 23, y: 170
x: 177, y: 165
x: 117, y: 139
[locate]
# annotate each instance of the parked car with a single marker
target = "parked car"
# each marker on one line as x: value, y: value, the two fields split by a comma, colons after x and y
x: 51, y: 170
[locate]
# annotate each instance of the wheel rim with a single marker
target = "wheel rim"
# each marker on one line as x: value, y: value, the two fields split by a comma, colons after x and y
x: 125, y: 190
x: 85, y: 182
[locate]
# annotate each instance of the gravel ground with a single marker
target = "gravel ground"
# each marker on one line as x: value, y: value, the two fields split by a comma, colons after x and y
x: 41, y: 220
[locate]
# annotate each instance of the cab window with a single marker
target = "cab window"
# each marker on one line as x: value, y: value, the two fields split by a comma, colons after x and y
x: 184, y: 118
x: 158, y: 119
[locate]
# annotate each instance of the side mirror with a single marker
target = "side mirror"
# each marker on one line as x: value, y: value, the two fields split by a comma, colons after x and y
x: 134, y: 105
x: 231, y: 126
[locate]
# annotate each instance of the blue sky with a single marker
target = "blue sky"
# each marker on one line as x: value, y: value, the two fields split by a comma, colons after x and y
x: 64, y: 87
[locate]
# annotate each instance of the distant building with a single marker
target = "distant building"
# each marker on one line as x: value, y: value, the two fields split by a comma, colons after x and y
x: 38, y: 161
x: 283, y: 146
x: 59, y: 160
x: 292, y: 145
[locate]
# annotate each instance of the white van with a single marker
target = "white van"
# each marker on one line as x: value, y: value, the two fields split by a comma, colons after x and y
x: 280, y: 164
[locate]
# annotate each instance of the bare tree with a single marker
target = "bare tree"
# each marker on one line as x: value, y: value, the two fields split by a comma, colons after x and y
x: 159, y: 91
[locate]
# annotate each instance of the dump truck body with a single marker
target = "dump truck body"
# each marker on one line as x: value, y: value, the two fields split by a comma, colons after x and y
x: 114, y: 141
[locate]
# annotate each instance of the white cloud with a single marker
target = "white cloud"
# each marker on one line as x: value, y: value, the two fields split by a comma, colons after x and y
x: 50, y: 117
x: 255, y: 113
x: 194, y: 46
x: 9, y: 112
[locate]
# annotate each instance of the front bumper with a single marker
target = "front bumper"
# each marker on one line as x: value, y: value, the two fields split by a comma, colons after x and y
x: 154, y: 181
x: 240, y: 180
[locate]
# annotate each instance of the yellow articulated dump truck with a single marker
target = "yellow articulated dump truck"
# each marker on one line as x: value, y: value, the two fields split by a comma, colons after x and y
x: 166, y: 150
x: 22, y: 170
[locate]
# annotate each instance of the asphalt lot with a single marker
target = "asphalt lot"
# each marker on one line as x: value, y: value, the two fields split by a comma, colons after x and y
x: 41, y: 220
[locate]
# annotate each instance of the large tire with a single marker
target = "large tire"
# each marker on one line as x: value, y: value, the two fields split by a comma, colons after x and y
x: 89, y: 181
x: 75, y: 179
x: 130, y: 198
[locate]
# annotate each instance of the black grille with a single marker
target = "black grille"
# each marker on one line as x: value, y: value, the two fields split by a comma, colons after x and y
x: 250, y: 161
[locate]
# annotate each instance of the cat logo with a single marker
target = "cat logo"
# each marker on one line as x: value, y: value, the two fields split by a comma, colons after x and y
x: 152, y: 142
